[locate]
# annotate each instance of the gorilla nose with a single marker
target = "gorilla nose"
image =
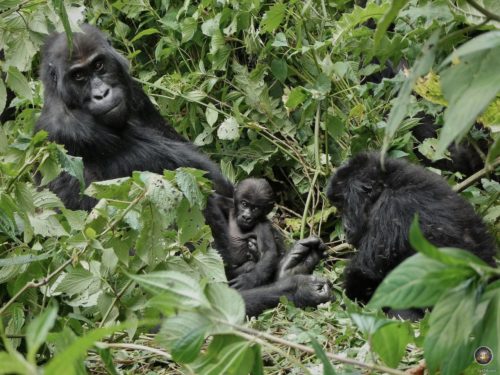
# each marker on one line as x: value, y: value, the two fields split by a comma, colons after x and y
x: 100, y: 94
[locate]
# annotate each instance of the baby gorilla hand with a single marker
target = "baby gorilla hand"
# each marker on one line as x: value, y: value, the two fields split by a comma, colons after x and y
x: 302, y: 257
x: 243, y: 281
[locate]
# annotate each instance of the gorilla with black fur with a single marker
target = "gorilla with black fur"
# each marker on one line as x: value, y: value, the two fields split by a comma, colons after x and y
x: 377, y: 206
x: 95, y: 109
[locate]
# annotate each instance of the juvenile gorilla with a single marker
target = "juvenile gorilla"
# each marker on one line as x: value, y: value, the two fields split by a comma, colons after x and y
x: 251, y: 235
x: 377, y: 207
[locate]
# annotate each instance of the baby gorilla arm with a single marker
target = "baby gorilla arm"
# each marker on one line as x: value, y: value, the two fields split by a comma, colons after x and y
x: 302, y: 257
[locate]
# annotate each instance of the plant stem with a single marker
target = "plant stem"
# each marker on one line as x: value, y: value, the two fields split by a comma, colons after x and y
x: 476, y: 176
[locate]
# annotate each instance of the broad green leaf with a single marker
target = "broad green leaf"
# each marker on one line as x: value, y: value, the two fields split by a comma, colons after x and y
x: 14, y: 363
x: 24, y: 259
x: 38, y: 329
x: 190, y: 222
x: 77, y: 281
x: 227, y: 354
x: 468, y: 86
x: 211, y: 114
x: 418, y: 282
x: 209, y: 265
x: 117, y: 188
x: 184, y: 335
x: 279, y: 68
x: 320, y: 353
x: 386, y: 20
x: 18, y: 83
x: 73, y: 165
x: 401, y: 103
x: 64, y: 363
x: 181, y: 288
x: 451, y: 323
x: 482, y: 42
x: 188, y: 27
x: 186, y: 179
x: 229, y: 129
x: 368, y: 324
x: 273, y: 17
x: 296, y: 97
x: 390, y: 342
x: 489, y: 326
x: 211, y: 26
x: 227, y: 304
x: 150, y: 242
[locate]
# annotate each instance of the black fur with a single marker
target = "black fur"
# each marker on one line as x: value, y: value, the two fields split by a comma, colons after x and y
x: 377, y: 207
x: 95, y: 109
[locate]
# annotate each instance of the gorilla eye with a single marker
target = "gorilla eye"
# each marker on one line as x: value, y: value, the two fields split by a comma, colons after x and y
x: 244, y: 203
x: 78, y: 76
x: 98, y: 65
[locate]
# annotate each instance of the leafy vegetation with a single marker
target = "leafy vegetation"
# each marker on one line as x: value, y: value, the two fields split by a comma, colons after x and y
x: 285, y: 90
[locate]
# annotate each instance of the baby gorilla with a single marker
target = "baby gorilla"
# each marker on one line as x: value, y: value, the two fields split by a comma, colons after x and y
x: 255, y: 249
x: 377, y: 207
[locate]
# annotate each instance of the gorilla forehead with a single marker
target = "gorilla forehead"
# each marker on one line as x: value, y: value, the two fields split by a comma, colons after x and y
x: 255, y: 190
x: 86, y: 43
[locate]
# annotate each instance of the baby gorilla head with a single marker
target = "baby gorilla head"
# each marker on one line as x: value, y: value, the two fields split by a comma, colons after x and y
x: 253, y: 200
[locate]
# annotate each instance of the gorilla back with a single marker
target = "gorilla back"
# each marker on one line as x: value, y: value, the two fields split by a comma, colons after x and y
x: 377, y: 207
x: 94, y: 108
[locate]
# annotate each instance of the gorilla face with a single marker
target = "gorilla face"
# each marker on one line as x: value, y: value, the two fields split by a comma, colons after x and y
x: 91, y: 77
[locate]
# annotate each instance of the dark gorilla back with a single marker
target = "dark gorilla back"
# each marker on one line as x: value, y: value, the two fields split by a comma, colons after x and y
x: 95, y: 109
x: 377, y: 207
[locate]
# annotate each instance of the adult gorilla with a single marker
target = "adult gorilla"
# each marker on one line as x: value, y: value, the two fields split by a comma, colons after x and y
x: 95, y: 109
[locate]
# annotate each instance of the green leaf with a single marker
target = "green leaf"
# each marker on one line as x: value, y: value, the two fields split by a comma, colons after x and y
x: 14, y: 363
x: 37, y: 331
x: 489, y: 326
x: 386, y: 20
x: 184, y: 335
x: 229, y: 129
x: 3, y: 96
x: 63, y: 15
x: 296, y: 97
x: 227, y: 304
x: 273, y: 17
x: 65, y: 362
x: 144, y: 33
x: 451, y: 323
x: 320, y: 353
x: 188, y: 27
x: 77, y: 281
x: 190, y: 221
x: 186, y: 179
x: 209, y: 265
x: 227, y: 354
x: 469, y: 87
x: 481, y: 43
x: 18, y: 83
x: 390, y: 342
x: 400, y: 106
x: 117, y: 188
x: 279, y: 68
x: 211, y: 114
x: 73, y: 165
x: 417, y: 282
x: 179, y: 288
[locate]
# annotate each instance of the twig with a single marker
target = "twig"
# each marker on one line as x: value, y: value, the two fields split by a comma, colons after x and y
x: 476, y: 176
x: 306, y: 349
x: 135, y: 347
x: 338, y: 248
x: 118, y: 296
x: 484, y: 11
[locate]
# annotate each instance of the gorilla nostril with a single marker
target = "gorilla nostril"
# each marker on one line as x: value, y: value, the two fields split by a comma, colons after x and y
x: 100, y: 94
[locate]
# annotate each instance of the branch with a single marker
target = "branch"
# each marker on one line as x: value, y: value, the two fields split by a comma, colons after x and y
x: 476, y: 176
x: 135, y: 347
x: 484, y: 11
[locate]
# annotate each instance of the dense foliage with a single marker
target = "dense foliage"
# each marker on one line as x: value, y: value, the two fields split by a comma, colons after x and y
x: 285, y: 90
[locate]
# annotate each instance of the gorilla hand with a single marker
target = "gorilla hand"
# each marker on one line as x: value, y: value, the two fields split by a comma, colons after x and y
x: 302, y: 257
